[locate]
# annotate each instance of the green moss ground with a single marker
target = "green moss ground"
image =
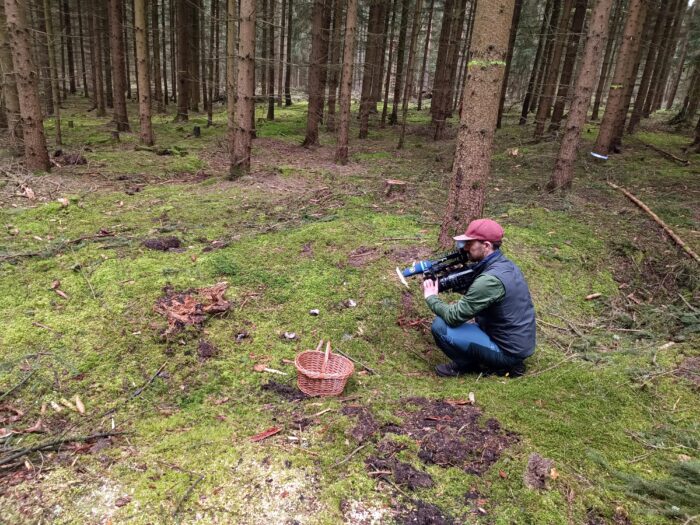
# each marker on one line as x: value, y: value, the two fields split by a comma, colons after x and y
x: 600, y: 399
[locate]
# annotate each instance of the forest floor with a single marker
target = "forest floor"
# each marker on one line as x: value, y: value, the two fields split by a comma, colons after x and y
x: 603, y: 428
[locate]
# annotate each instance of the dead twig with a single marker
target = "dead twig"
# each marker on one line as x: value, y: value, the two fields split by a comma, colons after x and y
x: 370, y: 370
x: 187, y: 494
x: 153, y: 378
x: 52, y: 445
x: 658, y: 221
x: 663, y: 153
x: 18, y: 385
x: 349, y: 456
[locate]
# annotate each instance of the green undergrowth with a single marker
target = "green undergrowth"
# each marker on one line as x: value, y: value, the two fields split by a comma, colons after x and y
x: 601, y: 397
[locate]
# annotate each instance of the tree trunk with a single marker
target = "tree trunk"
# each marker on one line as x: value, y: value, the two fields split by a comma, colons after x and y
x: 53, y: 71
x: 288, y: 73
x: 35, y: 153
x: 335, y: 67
x: 696, y: 142
x: 193, y: 58
x: 607, y: 58
x: 670, y: 51
x: 453, y: 58
x: 401, y: 50
x: 681, y: 58
x: 319, y: 54
x: 118, y: 73
x: 552, y: 78
x: 426, y: 48
x: 157, y: 86
x: 93, y: 52
x: 210, y: 63
x: 667, y: 13
x: 164, y: 56
x: 410, y: 70
x: 539, y: 58
x: 548, y: 53
x: 625, y: 62
x: 231, y: 73
x: 341, y: 154
x: 511, y: 45
x: 107, y: 55
x: 271, y: 62
x: 280, y: 61
x: 141, y: 38
x: 482, y: 90
x: 245, y: 105
x: 390, y: 65
x: 217, y: 42
x: 8, y: 80
x: 42, y: 57
x: 597, y: 29
x: 441, y: 79
x: 97, y: 58
x: 82, y: 49
x: 380, y: 57
x: 184, y: 28
x: 69, y: 45
x: 371, y: 71
x: 127, y: 56
x: 173, y: 50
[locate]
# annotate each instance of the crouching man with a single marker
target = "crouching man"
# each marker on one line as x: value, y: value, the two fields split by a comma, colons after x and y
x: 503, y: 334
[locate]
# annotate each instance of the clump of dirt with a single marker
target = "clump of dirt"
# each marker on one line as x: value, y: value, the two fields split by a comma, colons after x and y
x: 366, y: 425
x: 538, y: 471
x: 285, y: 391
x: 363, y: 256
x: 404, y: 474
x: 451, y: 435
x: 191, y: 307
x: 423, y: 514
x: 162, y: 244
x: 206, y: 350
x: 307, y: 250
x: 690, y: 370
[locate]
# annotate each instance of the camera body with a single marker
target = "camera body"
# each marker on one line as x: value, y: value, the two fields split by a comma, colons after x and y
x: 451, y: 270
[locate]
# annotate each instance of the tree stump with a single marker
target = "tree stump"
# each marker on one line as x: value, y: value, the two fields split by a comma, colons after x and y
x: 394, y: 187
x: 197, y: 132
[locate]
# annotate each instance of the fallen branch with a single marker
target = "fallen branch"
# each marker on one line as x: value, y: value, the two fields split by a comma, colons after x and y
x: 670, y: 156
x: 18, y: 385
x: 153, y: 378
x: 187, y: 495
x: 349, y: 456
x: 52, y: 445
x: 656, y: 218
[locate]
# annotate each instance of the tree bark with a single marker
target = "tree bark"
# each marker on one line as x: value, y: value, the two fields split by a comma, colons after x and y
x: 621, y: 77
x: 184, y: 27
x: 318, y: 59
x: 270, y: 62
x: 118, y: 73
x: 472, y: 163
x: 280, y: 61
x: 552, y: 78
x: 35, y: 153
x: 539, y: 57
x: 410, y: 71
x: 453, y: 58
x: 569, y: 64
x: 8, y: 79
x: 245, y: 105
x: 401, y: 50
x: 548, y: 53
x: 681, y: 58
x: 511, y: 45
x: 441, y: 79
x: 563, y: 173
x: 141, y: 38
x: 193, y: 59
x: 371, y: 71
x: 668, y: 54
x: 341, y: 154
x: 82, y: 49
x: 69, y: 46
x: 696, y: 142
x: 157, y: 86
x: 231, y: 63
x: 127, y: 56
x: 426, y: 48
x: 42, y: 57
x: 334, y: 68
x: 173, y: 50
x: 288, y: 72
x: 662, y: 43
x: 390, y: 65
x: 607, y: 58
x: 53, y: 71
x: 164, y: 32
x: 97, y: 58
x: 107, y: 55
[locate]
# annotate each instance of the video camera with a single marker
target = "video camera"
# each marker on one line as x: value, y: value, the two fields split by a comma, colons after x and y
x: 451, y: 270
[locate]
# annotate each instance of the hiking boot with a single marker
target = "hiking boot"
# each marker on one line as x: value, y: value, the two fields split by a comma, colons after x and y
x: 450, y: 369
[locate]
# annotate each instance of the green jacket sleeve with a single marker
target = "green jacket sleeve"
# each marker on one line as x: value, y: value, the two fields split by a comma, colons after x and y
x: 484, y: 291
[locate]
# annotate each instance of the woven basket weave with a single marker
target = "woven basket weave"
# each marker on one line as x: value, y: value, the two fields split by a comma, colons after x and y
x: 322, y: 373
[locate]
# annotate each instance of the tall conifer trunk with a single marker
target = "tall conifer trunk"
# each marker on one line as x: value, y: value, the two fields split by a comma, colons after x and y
x: 511, y: 45
x: 539, y: 57
x: 607, y: 58
x: 410, y: 70
x: 426, y: 48
x: 53, y: 71
x: 317, y: 71
x: 288, y: 72
x: 143, y: 72
x: 157, y: 86
x: 341, y: 154
x: 118, y: 72
x: 184, y: 26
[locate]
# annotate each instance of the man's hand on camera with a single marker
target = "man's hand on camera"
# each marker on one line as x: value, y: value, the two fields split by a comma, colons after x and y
x: 430, y: 287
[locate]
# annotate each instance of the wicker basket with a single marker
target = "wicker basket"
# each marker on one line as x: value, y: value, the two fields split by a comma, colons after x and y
x: 322, y: 373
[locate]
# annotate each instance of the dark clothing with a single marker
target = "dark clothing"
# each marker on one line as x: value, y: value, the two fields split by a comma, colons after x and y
x: 505, y: 316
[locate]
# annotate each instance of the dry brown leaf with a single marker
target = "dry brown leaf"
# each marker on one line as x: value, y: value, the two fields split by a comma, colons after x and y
x: 79, y: 404
x: 68, y: 404
x: 553, y: 473
x: 37, y: 427
x: 56, y: 406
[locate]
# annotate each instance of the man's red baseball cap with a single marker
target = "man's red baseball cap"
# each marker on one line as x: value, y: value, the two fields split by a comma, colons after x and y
x: 482, y: 230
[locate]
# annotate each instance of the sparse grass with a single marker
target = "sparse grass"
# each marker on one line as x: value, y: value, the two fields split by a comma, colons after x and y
x: 593, y: 390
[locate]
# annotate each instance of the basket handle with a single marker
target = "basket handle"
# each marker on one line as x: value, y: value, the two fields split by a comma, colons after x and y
x: 325, y: 358
x: 320, y: 345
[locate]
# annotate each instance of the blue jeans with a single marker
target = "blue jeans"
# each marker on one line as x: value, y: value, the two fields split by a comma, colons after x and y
x: 470, y: 347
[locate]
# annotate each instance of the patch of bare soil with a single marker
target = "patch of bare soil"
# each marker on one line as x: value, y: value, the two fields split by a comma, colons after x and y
x: 452, y: 435
x: 406, y: 255
x: 162, y: 244
x: 286, y: 392
x: 366, y: 425
x: 690, y: 370
x: 423, y: 513
x: 206, y: 350
x: 405, y: 474
x: 363, y: 256
x: 409, y: 316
